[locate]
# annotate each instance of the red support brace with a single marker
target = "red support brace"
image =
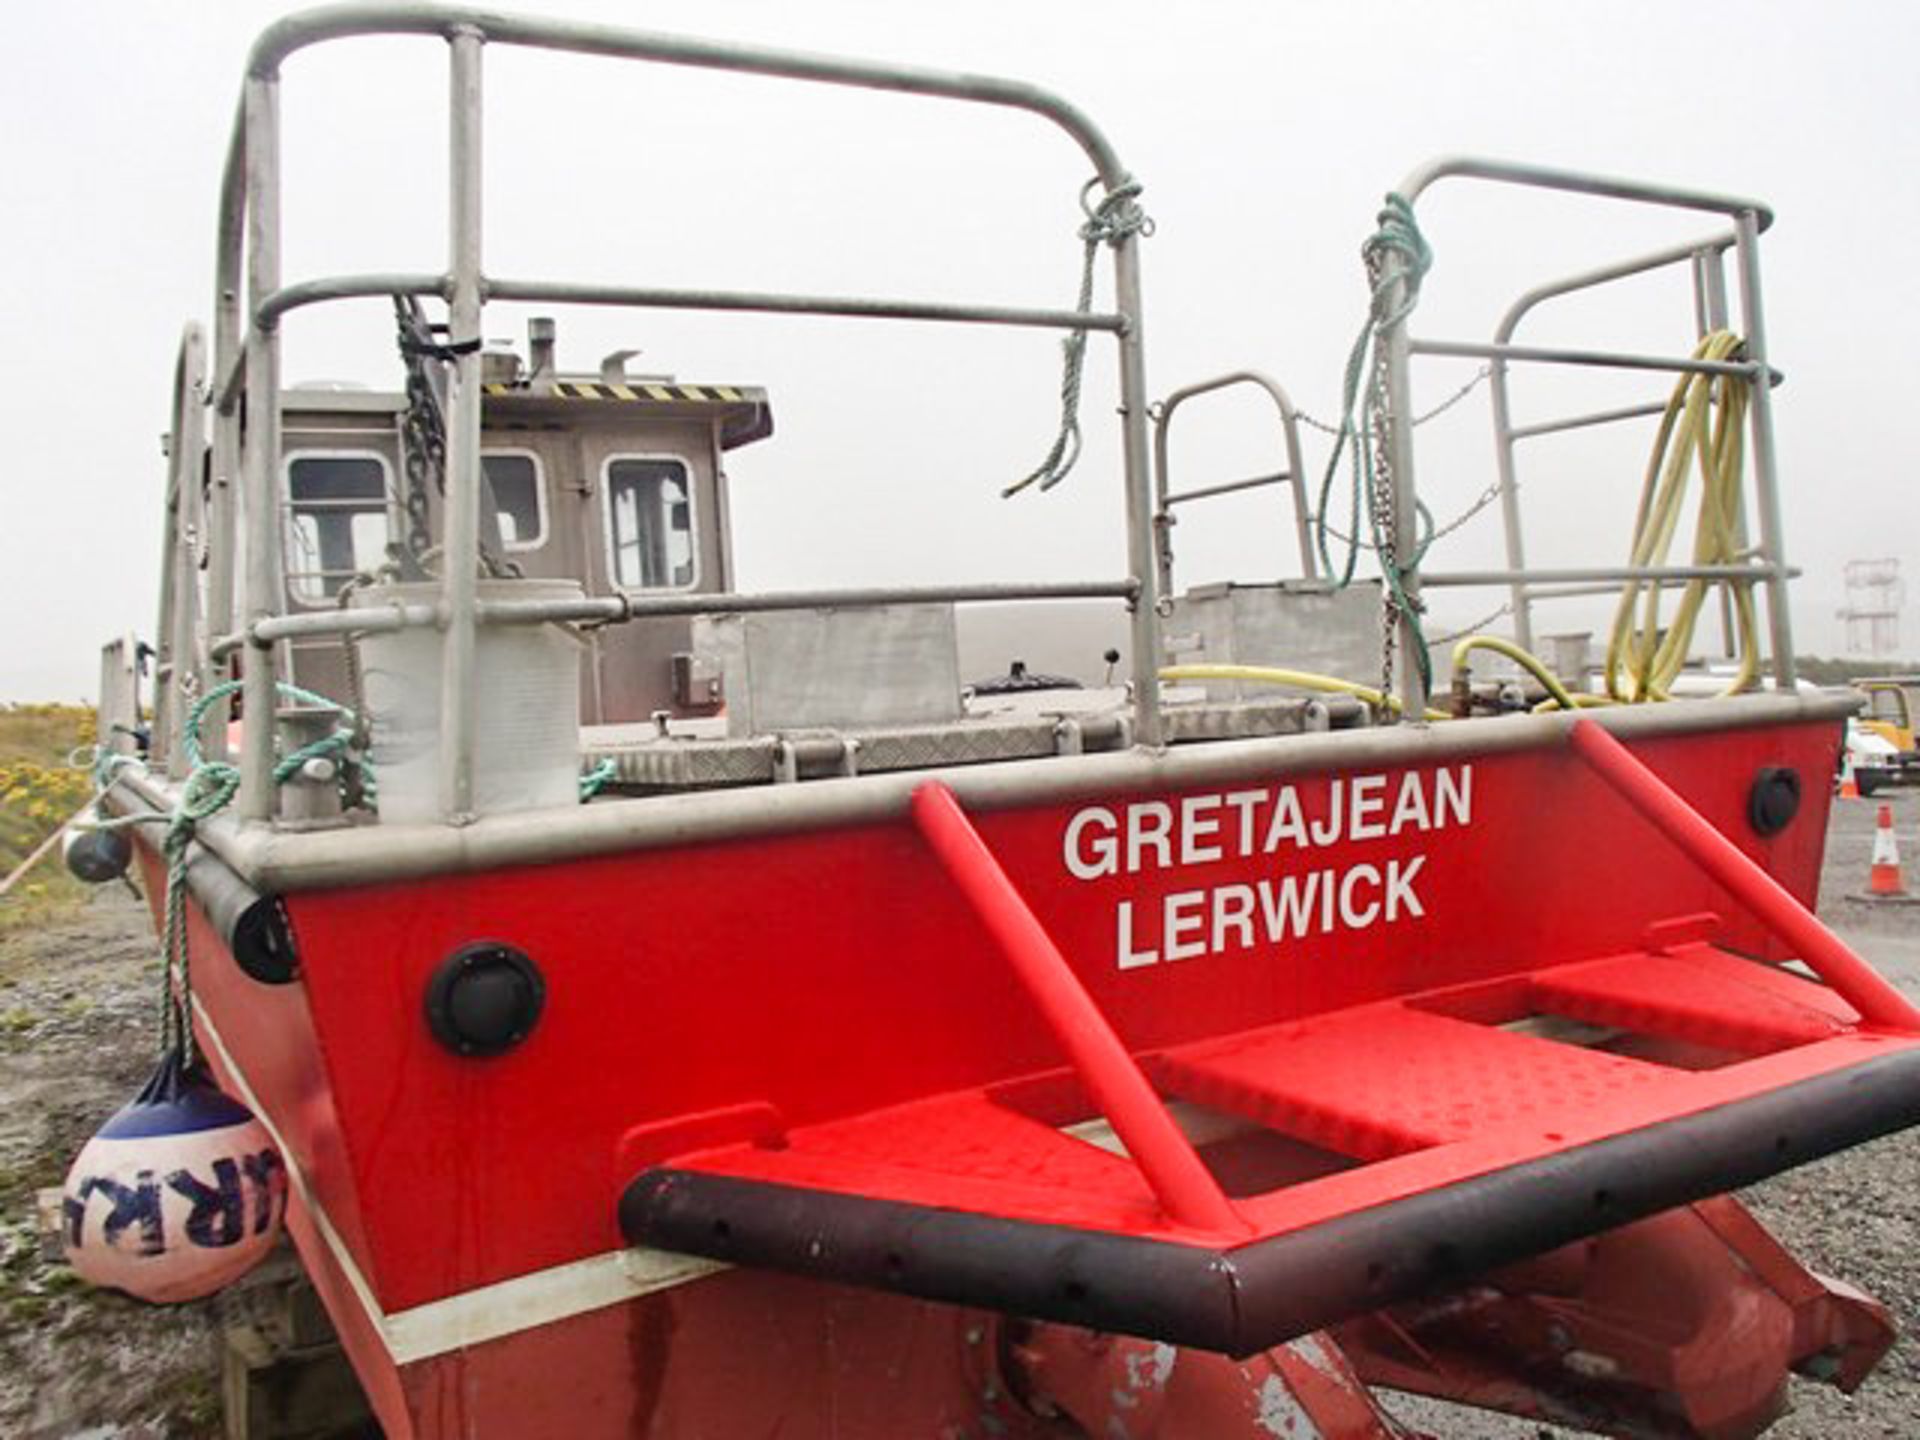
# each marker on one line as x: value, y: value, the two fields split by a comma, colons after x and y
x: 1785, y: 917
x: 1179, y: 1179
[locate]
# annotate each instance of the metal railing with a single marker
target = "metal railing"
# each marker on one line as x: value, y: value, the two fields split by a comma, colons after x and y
x: 1293, y: 476
x: 252, y: 297
x: 1704, y: 257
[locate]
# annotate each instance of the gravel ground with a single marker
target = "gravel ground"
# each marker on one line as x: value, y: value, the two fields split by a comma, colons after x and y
x: 78, y: 1004
x: 76, y: 1014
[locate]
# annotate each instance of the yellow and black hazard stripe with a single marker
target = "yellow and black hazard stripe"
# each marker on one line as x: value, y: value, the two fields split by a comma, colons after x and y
x: 639, y: 390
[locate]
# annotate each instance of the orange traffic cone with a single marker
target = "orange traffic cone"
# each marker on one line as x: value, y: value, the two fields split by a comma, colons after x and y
x: 1884, y: 877
x: 1849, y: 787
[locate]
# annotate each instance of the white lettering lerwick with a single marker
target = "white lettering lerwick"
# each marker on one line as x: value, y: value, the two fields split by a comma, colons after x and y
x: 1102, y: 842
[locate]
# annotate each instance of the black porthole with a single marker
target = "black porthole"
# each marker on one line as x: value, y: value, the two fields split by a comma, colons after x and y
x: 484, y: 999
x: 262, y: 942
x: 1774, y: 799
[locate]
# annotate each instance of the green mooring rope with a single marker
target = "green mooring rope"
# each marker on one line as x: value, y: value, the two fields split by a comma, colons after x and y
x: 209, y: 788
x: 1397, y: 233
x: 598, y: 778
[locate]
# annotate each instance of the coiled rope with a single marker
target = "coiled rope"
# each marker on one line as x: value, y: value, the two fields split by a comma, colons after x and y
x: 208, y: 789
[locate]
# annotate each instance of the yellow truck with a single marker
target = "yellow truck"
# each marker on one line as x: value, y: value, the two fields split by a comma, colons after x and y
x: 1889, y: 714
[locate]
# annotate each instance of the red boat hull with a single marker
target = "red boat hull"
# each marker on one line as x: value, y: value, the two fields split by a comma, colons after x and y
x: 460, y: 1215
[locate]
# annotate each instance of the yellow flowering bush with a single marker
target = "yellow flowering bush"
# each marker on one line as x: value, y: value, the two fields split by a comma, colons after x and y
x: 39, y: 789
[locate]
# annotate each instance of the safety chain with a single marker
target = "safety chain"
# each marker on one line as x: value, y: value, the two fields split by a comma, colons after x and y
x: 1479, y: 378
x: 1429, y: 533
x: 1370, y: 461
x: 423, y: 433
x: 1111, y: 221
x: 1474, y: 629
x: 1381, y: 508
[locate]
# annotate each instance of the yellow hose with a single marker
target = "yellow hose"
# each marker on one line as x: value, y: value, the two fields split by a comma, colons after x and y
x: 1299, y: 679
x: 1698, y: 427
x: 1559, y: 693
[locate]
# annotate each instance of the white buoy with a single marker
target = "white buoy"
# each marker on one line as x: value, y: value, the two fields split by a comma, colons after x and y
x: 179, y: 1194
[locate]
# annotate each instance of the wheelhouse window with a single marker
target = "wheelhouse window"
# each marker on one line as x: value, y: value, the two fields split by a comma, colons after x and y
x: 650, y: 523
x: 338, y: 525
x: 518, y: 497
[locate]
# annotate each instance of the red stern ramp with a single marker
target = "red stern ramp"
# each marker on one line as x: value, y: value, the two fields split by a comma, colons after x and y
x: 1241, y: 1190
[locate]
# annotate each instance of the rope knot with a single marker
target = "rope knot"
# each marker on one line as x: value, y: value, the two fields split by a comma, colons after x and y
x: 1116, y: 216
x: 1397, y: 233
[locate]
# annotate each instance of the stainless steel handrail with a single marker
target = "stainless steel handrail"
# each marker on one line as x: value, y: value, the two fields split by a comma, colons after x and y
x: 1521, y: 594
x: 1705, y: 257
x: 1576, y: 182
x: 348, y: 287
x: 380, y: 617
x: 249, y: 218
x: 1750, y: 218
x: 1599, y: 359
x: 1165, y: 499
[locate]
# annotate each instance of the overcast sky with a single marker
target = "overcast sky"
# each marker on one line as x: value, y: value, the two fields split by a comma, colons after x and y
x: 1264, y: 135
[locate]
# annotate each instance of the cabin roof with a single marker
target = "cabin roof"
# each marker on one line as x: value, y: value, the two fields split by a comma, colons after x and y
x: 743, y: 410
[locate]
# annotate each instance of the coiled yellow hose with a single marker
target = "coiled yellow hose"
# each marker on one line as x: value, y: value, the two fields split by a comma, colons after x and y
x: 1704, y: 425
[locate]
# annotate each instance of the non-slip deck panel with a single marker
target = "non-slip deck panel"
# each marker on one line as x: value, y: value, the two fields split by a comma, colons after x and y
x: 1383, y: 1080
x: 1699, y: 994
x: 1245, y: 1298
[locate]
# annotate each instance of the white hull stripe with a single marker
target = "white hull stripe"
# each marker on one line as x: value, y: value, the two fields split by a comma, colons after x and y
x: 505, y: 1307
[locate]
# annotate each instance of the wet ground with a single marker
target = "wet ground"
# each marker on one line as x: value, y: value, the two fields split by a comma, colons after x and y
x: 77, y: 1003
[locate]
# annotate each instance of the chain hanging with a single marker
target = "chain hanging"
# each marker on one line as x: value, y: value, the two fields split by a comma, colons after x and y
x: 1381, y: 509
x: 423, y: 434
x: 1366, y: 389
x: 1480, y: 377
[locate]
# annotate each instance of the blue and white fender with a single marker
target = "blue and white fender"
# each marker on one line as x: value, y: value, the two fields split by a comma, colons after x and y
x: 180, y: 1193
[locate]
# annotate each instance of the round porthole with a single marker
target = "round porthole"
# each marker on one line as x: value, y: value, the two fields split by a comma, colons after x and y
x: 484, y: 999
x: 1774, y: 799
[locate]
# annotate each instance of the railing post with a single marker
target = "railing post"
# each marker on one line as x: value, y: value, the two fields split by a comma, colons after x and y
x: 460, y: 552
x: 186, y: 529
x: 1141, y: 559
x: 1766, y: 479
x: 264, y: 595
x: 225, y: 474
